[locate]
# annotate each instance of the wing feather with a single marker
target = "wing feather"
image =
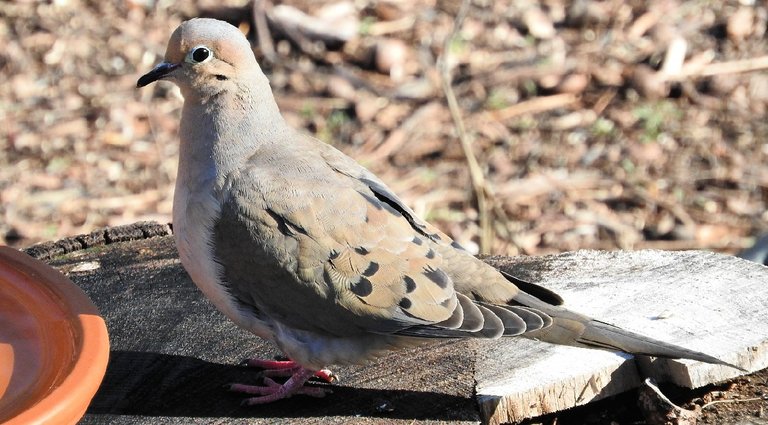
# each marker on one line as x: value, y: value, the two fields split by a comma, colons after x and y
x: 341, y: 239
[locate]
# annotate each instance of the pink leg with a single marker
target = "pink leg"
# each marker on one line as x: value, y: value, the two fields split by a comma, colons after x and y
x: 272, y: 391
x: 272, y: 364
x: 285, y: 368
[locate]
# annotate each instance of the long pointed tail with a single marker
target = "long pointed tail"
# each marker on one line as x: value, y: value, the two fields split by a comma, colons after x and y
x: 570, y: 328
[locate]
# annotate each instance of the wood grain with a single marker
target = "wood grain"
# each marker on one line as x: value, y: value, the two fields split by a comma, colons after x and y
x: 704, y: 301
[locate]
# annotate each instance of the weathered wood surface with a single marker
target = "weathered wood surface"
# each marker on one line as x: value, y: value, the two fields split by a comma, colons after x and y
x: 171, y: 351
x: 708, y: 302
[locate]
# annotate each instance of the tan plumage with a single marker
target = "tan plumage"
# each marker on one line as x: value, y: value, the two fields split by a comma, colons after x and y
x: 298, y: 243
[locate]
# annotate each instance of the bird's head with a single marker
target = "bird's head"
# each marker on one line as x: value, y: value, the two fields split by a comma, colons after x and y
x: 205, y: 57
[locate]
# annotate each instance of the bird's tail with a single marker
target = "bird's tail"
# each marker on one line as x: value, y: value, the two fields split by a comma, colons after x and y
x: 570, y: 328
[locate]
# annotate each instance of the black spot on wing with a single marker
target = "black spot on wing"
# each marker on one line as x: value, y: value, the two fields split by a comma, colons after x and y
x: 537, y: 291
x: 373, y: 267
x: 405, y: 303
x: 457, y: 245
x: 282, y: 225
x: 438, y: 276
x: 334, y: 255
x: 285, y: 226
x: 362, y: 288
x: 392, y: 203
x: 381, y: 202
x: 410, y: 284
x: 430, y: 254
x: 417, y: 240
x: 362, y: 251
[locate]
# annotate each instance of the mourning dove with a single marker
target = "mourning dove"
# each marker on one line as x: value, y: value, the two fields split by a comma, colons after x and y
x: 297, y: 243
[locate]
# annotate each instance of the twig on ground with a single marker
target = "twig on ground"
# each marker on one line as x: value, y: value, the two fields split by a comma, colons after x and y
x: 532, y: 106
x: 658, y: 409
x: 603, y: 101
x: 262, y: 29
x: 479, y: 185
x: 388, y: 27
x: 732, y: 67
x: 287, y: 20
x: 733, y: 400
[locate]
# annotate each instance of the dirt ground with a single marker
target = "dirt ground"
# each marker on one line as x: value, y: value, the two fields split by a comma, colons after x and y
x: 586, y: 124
x: 743, y: 401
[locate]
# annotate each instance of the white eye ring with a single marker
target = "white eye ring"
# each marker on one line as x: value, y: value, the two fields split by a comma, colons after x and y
x: 199, y: 54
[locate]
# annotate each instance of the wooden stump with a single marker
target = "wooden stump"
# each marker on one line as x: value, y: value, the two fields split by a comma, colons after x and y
x: 172, y: 351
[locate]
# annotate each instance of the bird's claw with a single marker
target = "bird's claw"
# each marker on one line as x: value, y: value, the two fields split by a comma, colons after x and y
x: 271, y: 391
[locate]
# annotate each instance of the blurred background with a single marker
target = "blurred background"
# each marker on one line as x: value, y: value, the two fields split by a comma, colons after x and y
x: 576, y: 124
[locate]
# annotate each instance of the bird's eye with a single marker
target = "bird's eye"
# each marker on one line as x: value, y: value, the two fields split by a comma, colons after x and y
x: 200, y: 54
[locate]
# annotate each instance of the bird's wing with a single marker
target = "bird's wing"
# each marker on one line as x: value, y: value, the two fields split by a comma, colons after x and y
x: 346, y: 166
x: 333, y: 250
x: 470, y: 275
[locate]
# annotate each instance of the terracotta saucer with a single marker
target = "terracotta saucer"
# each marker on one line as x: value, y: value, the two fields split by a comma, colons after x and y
x: 53, y: 344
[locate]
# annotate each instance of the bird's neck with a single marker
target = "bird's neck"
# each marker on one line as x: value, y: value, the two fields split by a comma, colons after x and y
x: 220, y: 133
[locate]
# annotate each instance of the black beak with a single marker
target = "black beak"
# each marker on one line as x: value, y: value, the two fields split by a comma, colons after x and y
x: 160, y: 71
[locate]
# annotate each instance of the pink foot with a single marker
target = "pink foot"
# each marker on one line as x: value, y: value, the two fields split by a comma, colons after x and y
x: 272, y: 391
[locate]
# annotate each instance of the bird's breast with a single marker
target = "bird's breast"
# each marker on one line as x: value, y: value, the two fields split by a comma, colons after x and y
x: 195, y: 210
